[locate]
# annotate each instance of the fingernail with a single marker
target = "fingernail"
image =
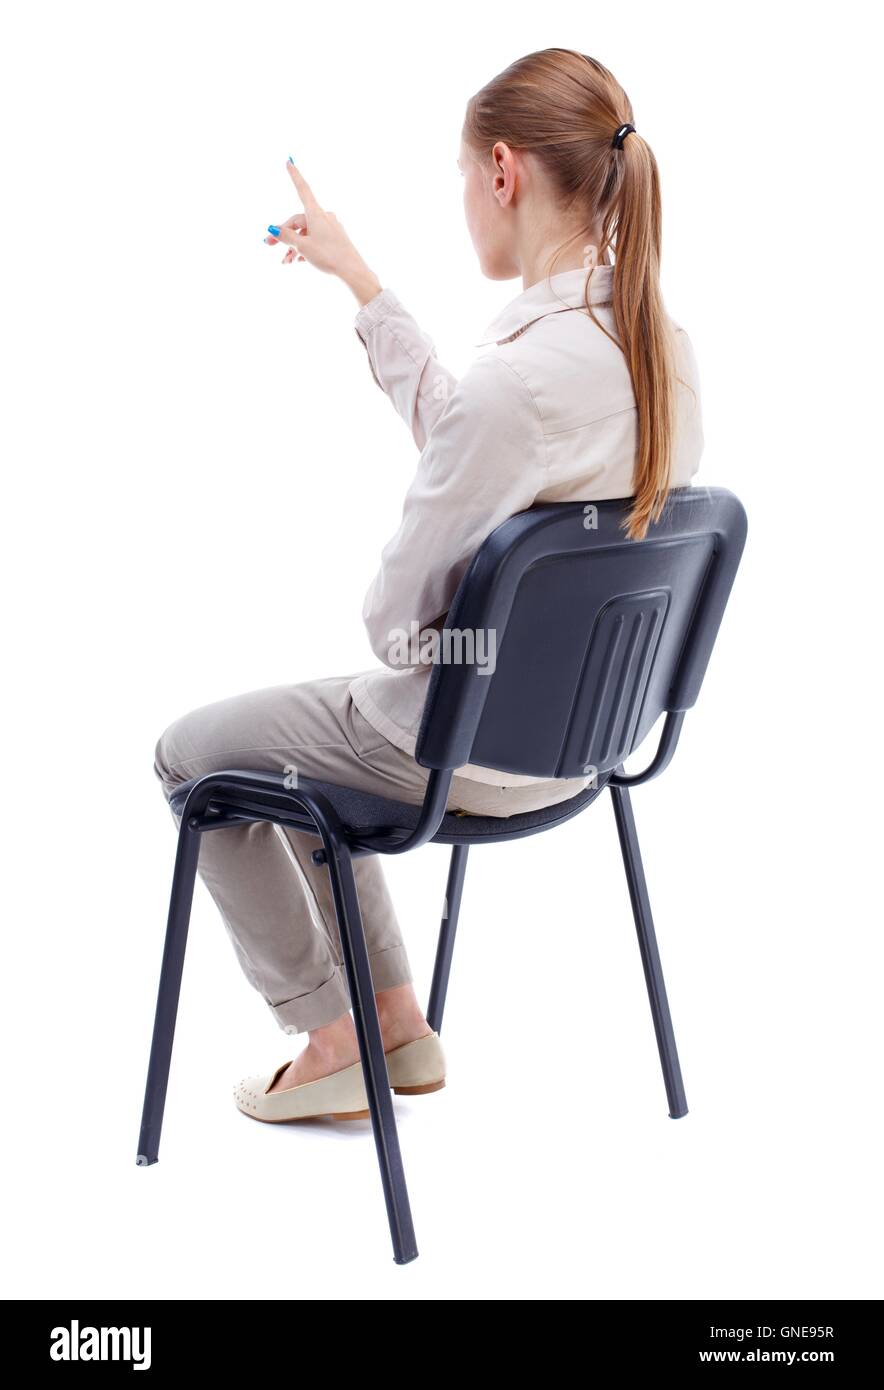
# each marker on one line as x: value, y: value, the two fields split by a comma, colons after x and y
x: 291, y: 161
x: 274, y: 231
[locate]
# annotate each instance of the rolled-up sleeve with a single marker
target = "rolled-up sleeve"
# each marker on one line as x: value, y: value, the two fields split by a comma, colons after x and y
x: 483, y: 461
x: 404, y: 364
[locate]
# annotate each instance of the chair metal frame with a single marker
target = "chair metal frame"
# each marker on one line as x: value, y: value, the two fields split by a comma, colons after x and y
x: 221, y: 799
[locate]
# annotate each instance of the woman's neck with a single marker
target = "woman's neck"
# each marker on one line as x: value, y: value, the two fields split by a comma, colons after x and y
x: 539, y: 262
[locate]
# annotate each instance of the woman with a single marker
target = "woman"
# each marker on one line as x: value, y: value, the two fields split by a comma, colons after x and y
x: 584, y: 389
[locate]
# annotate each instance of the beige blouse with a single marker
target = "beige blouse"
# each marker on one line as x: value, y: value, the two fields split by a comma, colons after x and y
x: 546, y: 413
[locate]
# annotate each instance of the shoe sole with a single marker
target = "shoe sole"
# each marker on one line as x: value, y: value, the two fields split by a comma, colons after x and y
x: 296, y: 1119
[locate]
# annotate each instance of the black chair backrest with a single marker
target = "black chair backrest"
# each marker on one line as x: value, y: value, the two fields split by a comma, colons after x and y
x: 583, y: 638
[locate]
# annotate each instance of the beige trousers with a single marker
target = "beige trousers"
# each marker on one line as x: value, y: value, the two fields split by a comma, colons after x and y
x: 275, y: 902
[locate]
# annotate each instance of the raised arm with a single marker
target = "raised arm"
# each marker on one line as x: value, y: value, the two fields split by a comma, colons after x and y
x: 404, y: 364
x: 402, y: 358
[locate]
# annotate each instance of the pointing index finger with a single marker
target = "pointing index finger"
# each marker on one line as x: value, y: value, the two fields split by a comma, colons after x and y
x: 305, y: 192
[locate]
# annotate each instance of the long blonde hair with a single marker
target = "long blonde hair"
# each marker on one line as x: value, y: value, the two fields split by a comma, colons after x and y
x: 565, y: 108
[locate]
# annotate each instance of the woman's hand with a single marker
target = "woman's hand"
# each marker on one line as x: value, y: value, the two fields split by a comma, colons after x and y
x: 317, y: 236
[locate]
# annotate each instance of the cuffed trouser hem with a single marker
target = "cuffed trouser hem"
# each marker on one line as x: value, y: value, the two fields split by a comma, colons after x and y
x: 389, y: 968
x: 332, y: 999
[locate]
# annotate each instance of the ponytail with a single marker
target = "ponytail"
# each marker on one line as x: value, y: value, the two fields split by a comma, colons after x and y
x: 633, y: 226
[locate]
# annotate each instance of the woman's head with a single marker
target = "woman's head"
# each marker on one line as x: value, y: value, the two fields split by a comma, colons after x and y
x: 548, y: 189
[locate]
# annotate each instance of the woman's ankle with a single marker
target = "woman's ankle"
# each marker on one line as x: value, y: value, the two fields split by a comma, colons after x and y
x: 335, y: 1040
x: 400, y: 1014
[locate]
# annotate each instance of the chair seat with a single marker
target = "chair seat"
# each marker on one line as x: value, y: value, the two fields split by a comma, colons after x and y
x: 364, y: 813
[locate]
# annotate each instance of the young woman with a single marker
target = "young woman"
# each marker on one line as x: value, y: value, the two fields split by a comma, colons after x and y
x: 584, y: 389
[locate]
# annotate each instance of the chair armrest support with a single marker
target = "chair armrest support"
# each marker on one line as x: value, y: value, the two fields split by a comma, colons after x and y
x: 662, y: 758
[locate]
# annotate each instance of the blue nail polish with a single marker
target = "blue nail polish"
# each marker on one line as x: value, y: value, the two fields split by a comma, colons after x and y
x: 291, y: 161
x: 274, y: 231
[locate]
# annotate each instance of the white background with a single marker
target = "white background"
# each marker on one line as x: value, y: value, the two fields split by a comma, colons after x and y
x: 200, y: 474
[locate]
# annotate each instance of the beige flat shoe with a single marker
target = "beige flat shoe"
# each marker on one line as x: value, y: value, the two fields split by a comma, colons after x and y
x: 417, y: 1067
x: 341, y: 1096
x: 413, y: 1069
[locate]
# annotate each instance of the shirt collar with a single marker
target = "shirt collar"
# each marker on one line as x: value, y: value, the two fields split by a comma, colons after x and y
x: 551, y: 295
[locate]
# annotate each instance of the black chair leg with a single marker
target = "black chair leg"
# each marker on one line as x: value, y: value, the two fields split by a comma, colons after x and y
x: 371, y: 1049
x: 647, y: 940
x: 181, y: 900
x: 445, y: 948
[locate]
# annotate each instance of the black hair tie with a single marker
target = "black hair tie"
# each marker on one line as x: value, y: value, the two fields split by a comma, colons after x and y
x: 621, y: 135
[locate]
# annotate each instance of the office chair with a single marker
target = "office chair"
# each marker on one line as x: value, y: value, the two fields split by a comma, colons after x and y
x: 596, y: 637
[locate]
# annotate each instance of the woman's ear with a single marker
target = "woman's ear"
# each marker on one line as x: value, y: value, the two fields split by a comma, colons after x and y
x: 504, y: 173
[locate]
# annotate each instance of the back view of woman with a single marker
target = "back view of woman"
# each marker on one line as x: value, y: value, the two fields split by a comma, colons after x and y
x: 583, y: 389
